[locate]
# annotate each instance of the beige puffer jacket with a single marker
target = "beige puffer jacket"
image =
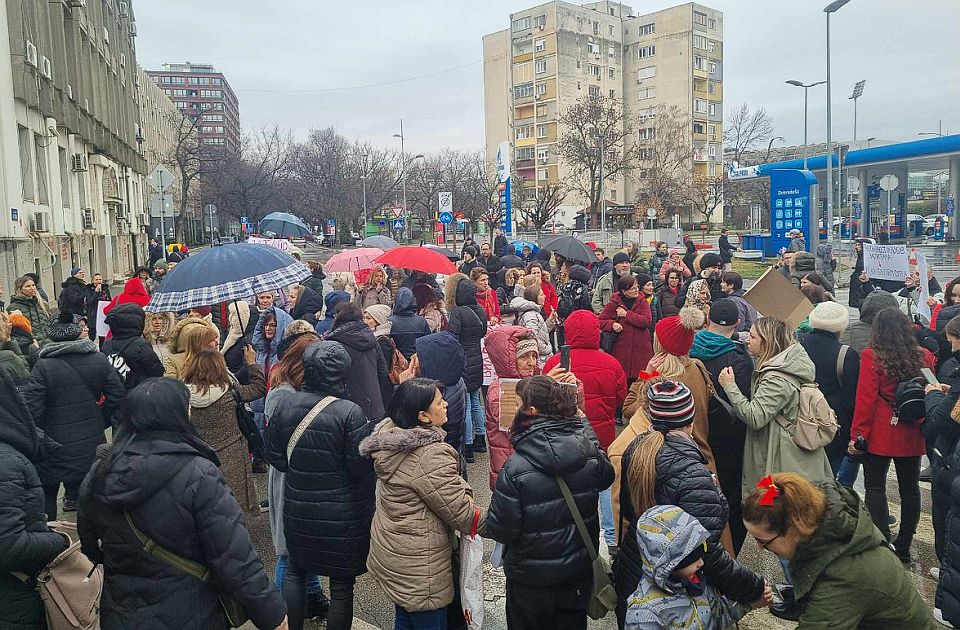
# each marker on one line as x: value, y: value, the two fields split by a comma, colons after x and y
x: 421, y: 499
x: 177, y: 344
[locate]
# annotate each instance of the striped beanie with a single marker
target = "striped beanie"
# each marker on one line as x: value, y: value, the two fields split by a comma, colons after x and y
x: 669, y: 405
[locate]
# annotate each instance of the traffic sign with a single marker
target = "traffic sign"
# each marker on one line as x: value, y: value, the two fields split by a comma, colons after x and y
x: 244, y: 219
x: 161, y: 206
x: 382, y: 223
x: 397, y: 212
x: 398, y: 224
x: 331, y: 222
x: 889, y: 182
x: 446, y: 202
x: 951, y: 206
x: 160, y: 178
x: 446, y: 218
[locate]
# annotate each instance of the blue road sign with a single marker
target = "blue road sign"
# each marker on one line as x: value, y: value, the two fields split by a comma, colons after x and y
x: 244, y: 219
x: 331, y: 222
x: 382, y: 223
x: 446, y: 218
x: 398, y: 224
x: 951, y: 206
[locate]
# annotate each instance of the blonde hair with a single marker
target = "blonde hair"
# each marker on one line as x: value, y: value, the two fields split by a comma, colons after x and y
x: 642, y: 474
x: 775, y: 337
x: 672, y: 366
x: 4, y: 327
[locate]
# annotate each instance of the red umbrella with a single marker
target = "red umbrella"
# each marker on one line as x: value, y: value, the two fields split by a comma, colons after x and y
x: 417, y: 259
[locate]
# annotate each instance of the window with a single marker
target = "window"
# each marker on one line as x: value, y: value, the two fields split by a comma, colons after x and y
x: 610, y: 27
x: 213, y: 117
x: 26, y: 163
x: 522, y: 24
x: 593, y: 48
x: 645, y: 154
x: 540, y: 45
x: 211, y: 93
x: 594, y: 69
x: 613, y: 93
x: 699, y: 127
x: 187, y: 93
x: 543, y: 173
x: 713, y: 131
x: 215, y: 141
x: 594, y: 90
x: 711, y: 87
x: 541, y: 89
x: 216, y: 81
x: 523, y: 91
x: 648, y: 92
x: 711, y: 45
x: 610, y: 73
x: 700, y: 63
x: 167, y: 92
x: 524, y: 153
x: 647, y: 72
x: 643, y: 52
x: 540, y: 21
x: 699, y: 41
x: 712, y: 67
x: 611, y: 49
x: 700, y: 106
x: 648, y: 133
x: 543, y: 154
x: 648, y: 29
x: 524, y: 132
x: 700, y: 18
x: 218, y: 106
x: 64, y: 178
x: 613, y: 194
x: 181, y: 105
x: 541, y: 67
x: 712, y: 24
x: 712, y: 151
x: 596, y: 28
x: 541, y: 111
x: 165, y: 80
x: 176, y: 80
x: 43, y: 183
x: 649, y: 112
x: 193, y: 81
x: 712, y: 169
x: 714, y: 109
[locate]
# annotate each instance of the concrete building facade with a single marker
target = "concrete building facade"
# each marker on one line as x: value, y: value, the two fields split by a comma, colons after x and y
x: 200, y: 92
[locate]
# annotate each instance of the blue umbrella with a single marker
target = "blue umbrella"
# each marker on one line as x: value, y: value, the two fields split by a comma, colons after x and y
x: 284, y: 224
x: 519, y: 245
x: 222, y: 274
x: 380, y: 242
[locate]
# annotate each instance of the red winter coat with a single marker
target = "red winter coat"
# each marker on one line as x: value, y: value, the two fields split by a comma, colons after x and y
x: 634, y: 347
x: 550, y: 298
x: 489, y: 303
x: 871, y: 417
x: 133, y: 293
x: 604, y: 382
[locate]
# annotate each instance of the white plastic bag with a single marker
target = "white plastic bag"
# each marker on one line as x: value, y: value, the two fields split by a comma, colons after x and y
x: 471, y: 576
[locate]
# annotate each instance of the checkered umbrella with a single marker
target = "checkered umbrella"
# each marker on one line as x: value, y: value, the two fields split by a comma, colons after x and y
x: 222, y: 274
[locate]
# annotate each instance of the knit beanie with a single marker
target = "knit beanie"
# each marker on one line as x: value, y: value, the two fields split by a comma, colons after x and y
x: 642, y: 280
x: 710, y: 260
x: 75, y: 270
x: 379, y: 312
x: 676, y: 332
x: 203, y: 311
x: 65, y: 329
x: 527, y: 345
x: 830, y: 316
x: 20, y: 322
x: 621, y: 257
x: 669, y: 405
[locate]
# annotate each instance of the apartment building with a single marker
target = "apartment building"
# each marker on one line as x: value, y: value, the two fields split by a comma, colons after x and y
x: 71, y: 171
x: 555, y: 53
x: 204, y: 94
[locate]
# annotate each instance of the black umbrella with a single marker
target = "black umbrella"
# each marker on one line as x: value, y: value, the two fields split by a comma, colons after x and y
x: 568, y: 247
x: 511, y: 262
x: 451, y: 255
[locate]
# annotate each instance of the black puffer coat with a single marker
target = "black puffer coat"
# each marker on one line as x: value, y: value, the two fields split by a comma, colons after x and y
x: 468, y: 323
x: 368, y: 369
x: 824, y: 350
x: 73, y: 293
x: 527, y: 511
x: 26, y: 544
x: 683, y: 480
x: 128, y: 352
x: 406, y: 325
x: 25, y: 341
x: 948, y: 590
x: 66, y: 382
x: 171, y: 486
x: 441, y: 358
x: 940, y: 432
x: 309, y: 303
x: 329, y: 489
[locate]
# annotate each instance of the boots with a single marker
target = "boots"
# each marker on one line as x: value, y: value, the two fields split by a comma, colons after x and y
x: 480, y: 444
x: 468, y: 453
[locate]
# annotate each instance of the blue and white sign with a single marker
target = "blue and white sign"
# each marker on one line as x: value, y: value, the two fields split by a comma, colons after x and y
x: 503, y: 186
x: 331, y: 222
x: 446, y: 218
x: 14, y: 214
x: 790, y: 192
x: 244, y: 219
x: 951, y: 206
x: 398, y: 224
x: 734, y: 171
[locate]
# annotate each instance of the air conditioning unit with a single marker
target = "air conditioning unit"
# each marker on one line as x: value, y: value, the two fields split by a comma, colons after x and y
x: 106, y: 36
x: 79, y: 163
x: 40, y: 222
x: 31, y: 54
x: 70, y: 92
x: 86, y: 105
x: 124, y: 9
x: 46, y: 68
x: 88, y: 218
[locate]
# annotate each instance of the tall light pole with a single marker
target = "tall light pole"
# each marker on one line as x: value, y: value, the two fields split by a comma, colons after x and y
x: 770, y: 147
x: 833, y: 7
x: 364, y: 179
x: 805, y: 86
x: 407, y: 230
x: 857, y: 93
x: 938, y: 133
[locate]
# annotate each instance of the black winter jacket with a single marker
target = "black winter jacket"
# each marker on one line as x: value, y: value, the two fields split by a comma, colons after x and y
x: 941, y: 433
x: 468, y: 323
x: 441, y: 358
x: 948, y: 591
x: 824, y: 350
x: 329, y: 488
x: 25, y: 341
x: 309, y: 303
x: 93, y: 298
x: 527, y: 511
x: 407, y: 326
x: 26, y: 544
x: 368, y: 371
x: 683, y: 480
x: 175, y: 494
x: 73, y: 294
x: 128, y: 352
x: 575, y: 295
x: 62, y: 395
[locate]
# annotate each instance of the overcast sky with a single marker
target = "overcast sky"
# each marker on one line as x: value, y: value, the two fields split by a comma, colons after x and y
x: 289, y: 62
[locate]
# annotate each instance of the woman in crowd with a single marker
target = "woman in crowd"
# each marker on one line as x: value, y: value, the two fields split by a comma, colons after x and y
x: 214, y: 397
x: 162, y: 478
x: 332, y: 300
x: 893, y: 356
x: 674, y: 263
x: 315, y: 281
x: 367, y: 382
x: 21, y: 333
x: 422, y: 498
x: 98, y: 291
x: 665, y: 466
x: 844, y: 573
x: 406, y: 325
x: 374, y: 291
x: 306, y: 304
x: 377, y: 319
x: 698, y: 296
x: 814, y: 278
x: 440, y: 357
x: 268, y: 334
x: 26, y: 543
x: 238, y: 318
x: 529, y: 312
x: 328, y: 489
x: 689, y: 254
x: 782, y: 366
x: 27, y: 299
x: 547, y: 565
x: 127, y: 350
x: 859, y: 288
x: 667, y: 293
x: 550, y: 299
x: 507, y: 291
x: 430, y: 307
x: 649, y: 294
x: 468, y: 323
x: 12, y: 360
x: 187, y: 337
x: 157, y: 329
x: 659, y: 257
x: 628, y: 316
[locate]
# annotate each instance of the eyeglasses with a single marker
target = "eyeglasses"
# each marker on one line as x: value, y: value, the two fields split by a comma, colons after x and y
x: 765, y: 544
x: 270, y: 325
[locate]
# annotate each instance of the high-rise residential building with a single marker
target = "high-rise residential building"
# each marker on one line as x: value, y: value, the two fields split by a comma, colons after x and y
x: 554, y: 54
x: 203, y: 94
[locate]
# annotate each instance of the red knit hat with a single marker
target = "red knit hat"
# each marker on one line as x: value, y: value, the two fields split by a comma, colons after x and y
x: 19, y: 321
x: 676, y: 332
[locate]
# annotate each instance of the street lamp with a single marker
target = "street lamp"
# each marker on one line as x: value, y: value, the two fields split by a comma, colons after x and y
x: 833, y: 7
x: 938, y: 133
x: 364, y: 179
x: 857, y: 93
x: 403, y: 179
x: 770, y: 146
x: 805, y: 86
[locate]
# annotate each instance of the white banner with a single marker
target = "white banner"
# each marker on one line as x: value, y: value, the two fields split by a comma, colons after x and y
x: 886, y: 262
x: 102, y: 329
x: 923, y: 291
x: 279, y: 243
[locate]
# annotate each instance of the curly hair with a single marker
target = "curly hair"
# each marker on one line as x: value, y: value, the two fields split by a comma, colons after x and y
x: 895, y: 345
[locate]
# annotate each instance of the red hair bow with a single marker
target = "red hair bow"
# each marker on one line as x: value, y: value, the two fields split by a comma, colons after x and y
x: 771, y: 491
x: 648, y: 375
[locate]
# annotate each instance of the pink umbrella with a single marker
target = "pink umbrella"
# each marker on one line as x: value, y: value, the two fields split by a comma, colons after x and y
x: 353, y: 259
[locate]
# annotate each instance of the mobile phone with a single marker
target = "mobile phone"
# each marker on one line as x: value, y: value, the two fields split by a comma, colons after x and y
x: 928, y: 374
x: 565, y: 357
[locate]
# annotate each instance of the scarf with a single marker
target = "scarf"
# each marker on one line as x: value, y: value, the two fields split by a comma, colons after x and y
x: 628, y: 302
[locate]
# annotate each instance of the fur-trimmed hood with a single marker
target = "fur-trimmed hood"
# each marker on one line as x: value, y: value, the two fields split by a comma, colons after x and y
x: 456, y: 294
x: 59, y: 348
x: 169, y: 321
x: 389, y: 445
x: 177, y: 341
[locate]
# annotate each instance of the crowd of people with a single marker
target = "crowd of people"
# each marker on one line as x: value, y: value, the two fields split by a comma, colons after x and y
x: 643, y: 400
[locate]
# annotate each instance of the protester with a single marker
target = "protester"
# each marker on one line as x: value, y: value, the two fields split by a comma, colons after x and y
x: 430, y: 307
x: 315, y: 281
x: 374, y: 291
x: 422, y: 498
x: 486, y: 297
x: 323, y: 469
x: 546, y: 562
x: 690, y: 253
x: 367, y: 382
x: 238, y: 318
x: 698, y: 296
x: 468, y: 324
x: 668, y: 291
x: 628, y: 317
x: 506, y: 292
x: 893, y: 357
x: 214, y: 397
x: 73, y: 293
x: 801, y: 263
x: 550, y: 299
x: 157, y: 329
x: 857, y: 293
x: 660, y: 256
x: 601, y: 266
x: 607, y: 284
x: 155, y: 251
x: 710, y: 271
x: 21, y: 333
x: 32, y: 305
x: 440, y: 357
x: 726, y: 250
x: 161, y: 478
x: 175, y: 256
x: 492, y: 263
x: 188, y: 336
x: 377, y: 318
x: 133, y: 293
x: 574, y: 295
x: 731, y: 285
x: 406, y: 325
x: 63, y: 395
x: 858, y: 333
x: 306, y: 304
x: 797, y: 241
x: 526, y: 255
x: 947, y: 601
x: 129, y: 353
x: 844, y: 573
x: 529, y: 310
x: 941, y: 432
x: 664, y: 466
x: 12, y: 360
x: 331, y: 301
x: 782, y: 367
x: 97, y: 291
x: 637, y: 264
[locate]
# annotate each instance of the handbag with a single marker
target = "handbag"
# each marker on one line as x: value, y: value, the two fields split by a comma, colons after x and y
x: 245, y: 422
x: 399, y: 364
x: 471, y: 575
x: 608, y: 339
x: 233, y: 611
x: 603, y: 597
x: 69, y: 586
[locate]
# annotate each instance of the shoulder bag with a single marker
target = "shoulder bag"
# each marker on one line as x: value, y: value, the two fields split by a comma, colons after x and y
x: 841, y: 359
x: 398, y: 365
x: 307, y: 419
x: 246, y: 423
x: 603, y: 598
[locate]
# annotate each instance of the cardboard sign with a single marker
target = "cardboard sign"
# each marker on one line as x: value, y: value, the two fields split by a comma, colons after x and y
x: 886, y: 262
x: 923, y: 290
x: 775, y: 296
x: 508, y: 402
x: 102, y: 329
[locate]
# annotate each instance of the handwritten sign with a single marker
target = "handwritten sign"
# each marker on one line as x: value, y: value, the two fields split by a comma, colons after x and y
x: 279, y: 243
x: 508, y: 402
x: 488, y: 372
x: 886, y: 262
x: 923, y: 290
x: 775, y: 296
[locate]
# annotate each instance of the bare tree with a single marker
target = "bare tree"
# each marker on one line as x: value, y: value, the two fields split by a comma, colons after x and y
x: 595, y: 124
x: 664, y: 159
x: 745, y: 130
x: 544, y: 206
x: 705, y: 194
x: 186, y: 159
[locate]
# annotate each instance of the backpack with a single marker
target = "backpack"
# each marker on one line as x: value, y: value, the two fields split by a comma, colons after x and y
x: 908, y: 401
x: 816, y: 423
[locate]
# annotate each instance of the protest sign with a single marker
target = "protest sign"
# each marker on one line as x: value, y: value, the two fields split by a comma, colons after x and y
x: 886, y: 262
x: 488, y: 372
x: 102, y: 329
x: 278, y: 243
x: 775, y: 296
x: 508, y: 402
x: 923, y: 289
